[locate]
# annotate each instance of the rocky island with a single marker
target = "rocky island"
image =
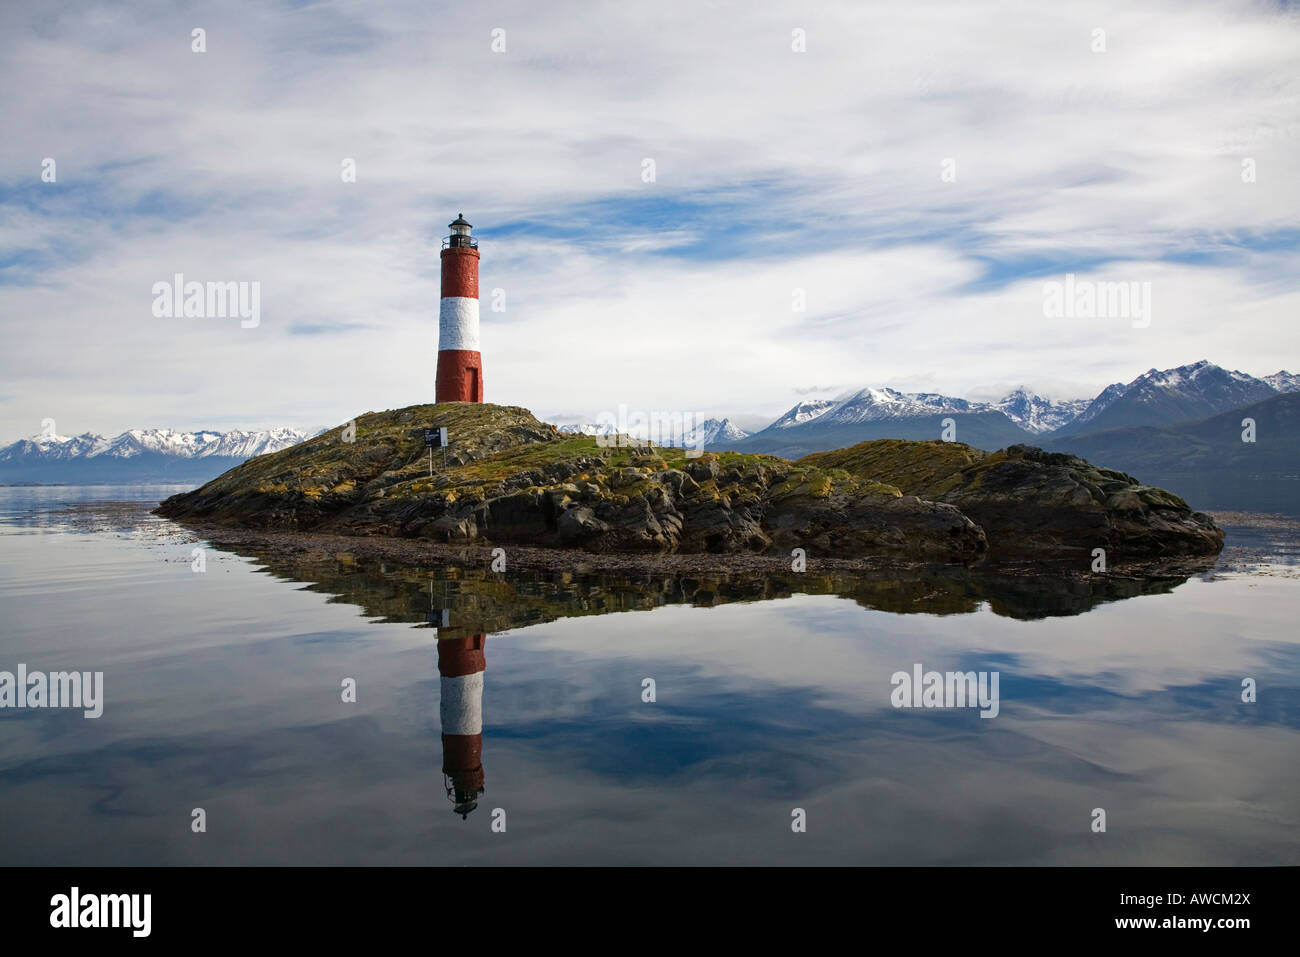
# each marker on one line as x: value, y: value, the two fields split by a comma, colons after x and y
x: 510, y: 479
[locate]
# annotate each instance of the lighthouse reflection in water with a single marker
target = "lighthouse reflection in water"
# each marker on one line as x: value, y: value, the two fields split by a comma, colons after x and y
x: 460, y: 670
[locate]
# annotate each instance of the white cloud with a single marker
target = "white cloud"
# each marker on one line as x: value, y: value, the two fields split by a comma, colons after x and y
x: 225, y: 165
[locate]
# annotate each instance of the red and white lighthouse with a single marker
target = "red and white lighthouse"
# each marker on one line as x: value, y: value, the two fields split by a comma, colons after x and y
x: 460, y: 667
x: 460, y: 364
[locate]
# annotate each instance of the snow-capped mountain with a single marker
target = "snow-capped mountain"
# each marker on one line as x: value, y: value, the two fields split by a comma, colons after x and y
x: 1202, y: 381
x: 138, y: 454
x: 1033, y: 413
x: 1284, y: 381
x: 586, y: 428
x: 805, y: 411
x: 708, y: 432
x: 874, y: 413
x: 873, y: 405
x: 1029, y: 411
x: 55, y: 448
x: 1162, y: 397
x: 712, y: 432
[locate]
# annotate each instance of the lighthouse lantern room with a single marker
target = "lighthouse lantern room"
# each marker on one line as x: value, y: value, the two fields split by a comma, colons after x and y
x: 460, y: 232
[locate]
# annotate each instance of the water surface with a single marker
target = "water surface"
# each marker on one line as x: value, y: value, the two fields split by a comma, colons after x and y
x: 223, y: 692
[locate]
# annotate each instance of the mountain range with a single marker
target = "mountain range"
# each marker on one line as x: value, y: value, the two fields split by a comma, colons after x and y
x: 138, y: 455
x: 1156, y: 398
x: 1164, y: 397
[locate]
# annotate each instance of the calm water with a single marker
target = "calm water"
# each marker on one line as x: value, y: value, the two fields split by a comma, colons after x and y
x: 223, y: 692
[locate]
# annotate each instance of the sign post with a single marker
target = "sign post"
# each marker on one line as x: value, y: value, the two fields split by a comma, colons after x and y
x: 436, y: 438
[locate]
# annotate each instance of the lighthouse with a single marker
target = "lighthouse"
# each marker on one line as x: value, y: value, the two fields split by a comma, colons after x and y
x: 460, y: 670
x: 460, y: 365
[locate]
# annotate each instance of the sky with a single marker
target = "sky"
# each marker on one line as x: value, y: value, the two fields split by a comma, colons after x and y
x: 914, y: 173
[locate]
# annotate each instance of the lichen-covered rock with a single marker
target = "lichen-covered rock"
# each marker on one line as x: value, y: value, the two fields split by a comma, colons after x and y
x: 901, y: 526
x: 1031, y: 502
x: 508, y: 478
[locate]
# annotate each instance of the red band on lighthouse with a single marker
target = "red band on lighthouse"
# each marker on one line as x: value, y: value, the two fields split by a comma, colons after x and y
x: 461, y: 656
x: 460, y: 364
x: 462, y: 761
x: 460, y: 272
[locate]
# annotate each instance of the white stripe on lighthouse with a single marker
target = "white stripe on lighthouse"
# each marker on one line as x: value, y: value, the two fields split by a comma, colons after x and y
x: 458, y: 324
x: 461, y: 707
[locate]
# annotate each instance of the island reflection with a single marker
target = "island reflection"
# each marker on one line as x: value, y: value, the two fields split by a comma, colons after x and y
x: 485, y: 602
